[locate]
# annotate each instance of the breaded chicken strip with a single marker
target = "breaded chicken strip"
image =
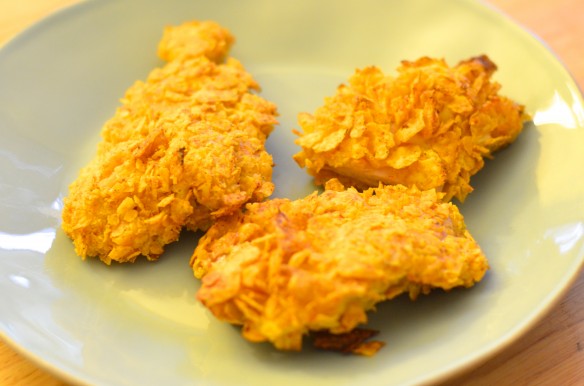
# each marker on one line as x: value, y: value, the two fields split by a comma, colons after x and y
x: 431, y: 126
x: 185, y: 147
x: 283, y: 268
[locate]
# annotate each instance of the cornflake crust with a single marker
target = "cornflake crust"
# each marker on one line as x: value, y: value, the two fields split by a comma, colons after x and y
x: 430, y: 126
x: 185, y: 147
x: 283, y: 268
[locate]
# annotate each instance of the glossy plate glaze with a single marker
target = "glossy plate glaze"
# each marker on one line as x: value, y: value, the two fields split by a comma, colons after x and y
x: 140, y: 324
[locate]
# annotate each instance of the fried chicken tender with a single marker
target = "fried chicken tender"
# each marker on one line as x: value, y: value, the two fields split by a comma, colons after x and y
x: 431, y: 126
x: 284, y: 268
x: 185, y: 147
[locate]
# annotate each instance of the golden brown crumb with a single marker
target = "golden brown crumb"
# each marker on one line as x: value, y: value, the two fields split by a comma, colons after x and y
x: 430, y: 126
x: 368, y: 349
x: 185, y: 147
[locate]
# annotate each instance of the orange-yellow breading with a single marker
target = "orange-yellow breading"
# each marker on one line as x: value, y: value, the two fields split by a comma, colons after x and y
x: 430, y: 126
x: 185, y: 147
x: 284, y: 268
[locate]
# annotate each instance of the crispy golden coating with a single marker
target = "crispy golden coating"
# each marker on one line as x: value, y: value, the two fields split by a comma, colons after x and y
x: 195, y: 38
x: 185, y: 147
x: 430, y: 126
x: 284, y: 268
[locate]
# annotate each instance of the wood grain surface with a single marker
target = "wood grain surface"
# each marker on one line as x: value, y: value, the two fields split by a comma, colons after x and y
x: 552, y: 352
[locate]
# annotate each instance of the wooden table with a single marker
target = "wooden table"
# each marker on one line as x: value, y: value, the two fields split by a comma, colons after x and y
x: 552, y: 353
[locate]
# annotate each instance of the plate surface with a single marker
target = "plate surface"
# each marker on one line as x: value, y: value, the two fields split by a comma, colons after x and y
x: 140, y: 324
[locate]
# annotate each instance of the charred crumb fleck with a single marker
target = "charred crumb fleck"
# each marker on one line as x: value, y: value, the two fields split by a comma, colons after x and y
x: 352, y: 342
x: 181, y: 155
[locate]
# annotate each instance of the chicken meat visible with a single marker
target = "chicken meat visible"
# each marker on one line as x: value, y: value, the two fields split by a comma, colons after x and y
x: 430, y: 126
